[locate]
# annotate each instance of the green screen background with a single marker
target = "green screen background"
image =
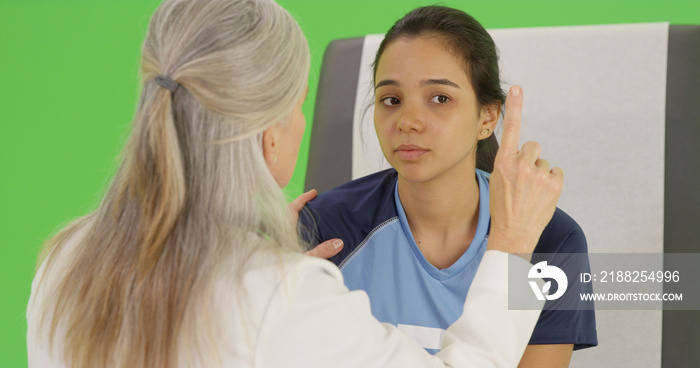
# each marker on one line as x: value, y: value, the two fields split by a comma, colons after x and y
x: 69, y: 86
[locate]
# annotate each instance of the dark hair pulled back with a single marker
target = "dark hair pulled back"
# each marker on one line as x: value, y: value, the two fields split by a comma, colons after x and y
x: 467, y: 39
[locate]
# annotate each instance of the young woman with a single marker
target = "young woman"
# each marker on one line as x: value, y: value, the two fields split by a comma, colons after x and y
x: 415, y: 235
x: 192, y: 259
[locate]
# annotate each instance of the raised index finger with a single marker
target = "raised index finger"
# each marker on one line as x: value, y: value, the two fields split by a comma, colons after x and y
x: 511, y: 121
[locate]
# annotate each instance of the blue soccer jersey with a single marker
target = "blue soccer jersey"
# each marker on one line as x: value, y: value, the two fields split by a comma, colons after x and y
x: 381, y: 257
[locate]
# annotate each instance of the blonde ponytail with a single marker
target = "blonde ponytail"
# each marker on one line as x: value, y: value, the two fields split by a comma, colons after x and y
x: 156, y: 176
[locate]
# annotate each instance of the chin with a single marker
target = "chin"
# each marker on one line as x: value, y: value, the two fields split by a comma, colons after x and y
x: 414, y: 173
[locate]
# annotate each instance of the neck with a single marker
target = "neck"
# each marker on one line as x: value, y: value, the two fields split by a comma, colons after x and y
x: 443, y: 214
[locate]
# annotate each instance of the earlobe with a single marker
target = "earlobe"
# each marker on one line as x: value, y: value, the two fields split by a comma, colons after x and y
x: 488, y: 125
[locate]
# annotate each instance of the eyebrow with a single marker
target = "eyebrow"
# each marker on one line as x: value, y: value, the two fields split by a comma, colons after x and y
x: 444, y: 82
x: 386, y: 82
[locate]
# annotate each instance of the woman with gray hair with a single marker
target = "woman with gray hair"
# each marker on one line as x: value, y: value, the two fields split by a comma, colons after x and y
x: 192, y: 258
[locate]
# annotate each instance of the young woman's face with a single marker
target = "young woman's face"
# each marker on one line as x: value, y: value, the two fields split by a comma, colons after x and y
x: 426, y: 113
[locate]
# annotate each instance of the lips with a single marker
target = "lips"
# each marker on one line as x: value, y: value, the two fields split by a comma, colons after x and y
x: 410, y: 152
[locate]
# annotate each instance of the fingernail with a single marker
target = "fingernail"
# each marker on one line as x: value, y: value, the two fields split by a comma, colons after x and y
x: 337, y: 243
x: 514, y: 91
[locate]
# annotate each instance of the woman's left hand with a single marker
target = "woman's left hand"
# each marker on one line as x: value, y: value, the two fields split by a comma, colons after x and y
x: 325, y: 250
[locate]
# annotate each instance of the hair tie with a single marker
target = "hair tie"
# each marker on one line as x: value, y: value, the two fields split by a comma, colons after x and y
x: 167, y: 83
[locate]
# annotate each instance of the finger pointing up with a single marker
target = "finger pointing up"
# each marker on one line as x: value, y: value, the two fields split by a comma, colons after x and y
x: 511, y: 122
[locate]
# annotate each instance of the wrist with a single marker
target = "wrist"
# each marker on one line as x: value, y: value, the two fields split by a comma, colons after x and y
x: 513, y: 242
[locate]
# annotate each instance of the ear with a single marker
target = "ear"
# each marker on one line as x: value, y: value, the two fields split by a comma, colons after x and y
x: 489, y: 119
x: 270, y: 141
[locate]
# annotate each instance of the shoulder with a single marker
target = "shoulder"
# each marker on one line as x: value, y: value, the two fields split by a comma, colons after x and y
x: 562, y: 235
x: 564, y: 245
x: 58, y: 261
x: 281, y: 269
x: 362, y: 192
x: 350, y: 212
x: 42, y: 297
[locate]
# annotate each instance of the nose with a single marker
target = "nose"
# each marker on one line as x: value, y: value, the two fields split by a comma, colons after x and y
x: 410, y: 119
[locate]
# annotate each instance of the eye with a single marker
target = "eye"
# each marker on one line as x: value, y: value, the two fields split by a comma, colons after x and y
x: 440, y: 99
x: 390, y: 101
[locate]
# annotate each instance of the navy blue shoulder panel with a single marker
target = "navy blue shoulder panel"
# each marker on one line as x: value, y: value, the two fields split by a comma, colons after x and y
x: 562, y: 235
x: 560, y: 238
x: 349, y: 212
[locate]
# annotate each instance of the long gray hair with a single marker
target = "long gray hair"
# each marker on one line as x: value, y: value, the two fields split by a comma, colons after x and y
x: 192, y: 194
